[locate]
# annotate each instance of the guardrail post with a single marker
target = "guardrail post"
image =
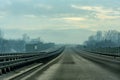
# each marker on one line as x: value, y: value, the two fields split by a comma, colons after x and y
x: 11, y: 68
x: 3, y: 70
x: 8, y: 69
x: 0, y: 71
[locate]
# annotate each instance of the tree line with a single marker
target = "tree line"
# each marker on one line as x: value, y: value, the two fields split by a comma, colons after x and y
x: 19, y: 45
x: 104, y: 41
x: 109, y: 38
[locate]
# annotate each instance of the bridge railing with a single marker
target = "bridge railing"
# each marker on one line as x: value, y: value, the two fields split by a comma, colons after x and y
x: 9, y: 61
x: 107, y: 51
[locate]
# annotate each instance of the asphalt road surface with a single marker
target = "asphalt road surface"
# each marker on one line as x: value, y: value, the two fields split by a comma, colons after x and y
x: 72, y: 66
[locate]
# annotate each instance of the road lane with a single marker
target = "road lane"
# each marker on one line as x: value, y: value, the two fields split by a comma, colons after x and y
x: 107, y: 62
x: 73, y: 67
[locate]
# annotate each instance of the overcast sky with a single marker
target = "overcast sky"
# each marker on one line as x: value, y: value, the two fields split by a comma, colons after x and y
x: 53, y: 20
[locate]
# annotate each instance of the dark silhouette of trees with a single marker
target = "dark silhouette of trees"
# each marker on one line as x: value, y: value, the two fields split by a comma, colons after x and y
x: 2, y: 42
x: 106, y: 41
x: 20, y: 45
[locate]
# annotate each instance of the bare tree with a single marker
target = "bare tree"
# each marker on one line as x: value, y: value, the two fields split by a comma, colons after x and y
x: 107, y: 41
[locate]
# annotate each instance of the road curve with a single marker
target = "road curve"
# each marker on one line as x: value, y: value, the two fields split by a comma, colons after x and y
x: 71, y: 66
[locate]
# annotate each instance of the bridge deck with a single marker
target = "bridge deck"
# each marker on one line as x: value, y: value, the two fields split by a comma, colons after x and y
x: 74, y: 67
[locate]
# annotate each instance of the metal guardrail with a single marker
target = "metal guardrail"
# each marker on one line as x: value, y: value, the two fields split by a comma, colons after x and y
x: 101, y: 52
x: 12, y: 59
x: 104, y: 53
x: 107, y: 54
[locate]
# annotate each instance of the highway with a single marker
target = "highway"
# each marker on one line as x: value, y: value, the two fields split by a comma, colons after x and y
x: 75, y: 66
